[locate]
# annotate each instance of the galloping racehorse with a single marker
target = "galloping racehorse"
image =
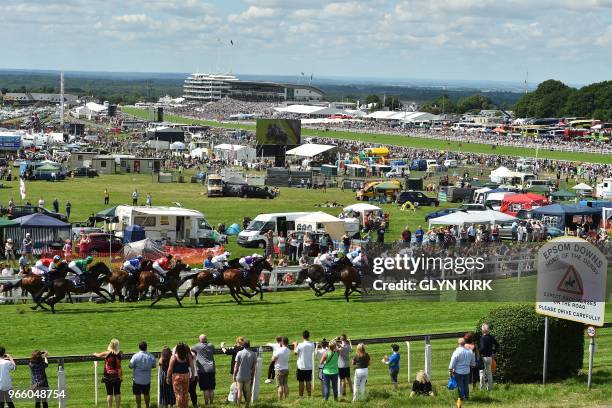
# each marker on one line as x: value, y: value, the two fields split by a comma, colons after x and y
x: 121, y: 279
x: 321, y: 283
x: 33, y: 284
x: 202, y: 280
x: 237, y: 279
x: 91, y: 281
x: 171, y: 283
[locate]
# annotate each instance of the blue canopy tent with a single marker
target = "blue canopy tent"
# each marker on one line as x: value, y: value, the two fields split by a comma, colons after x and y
x: 563, y: 215
x: 47, y: 232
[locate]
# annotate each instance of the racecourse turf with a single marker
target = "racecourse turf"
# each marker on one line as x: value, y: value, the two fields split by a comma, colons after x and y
x: 407, y: 141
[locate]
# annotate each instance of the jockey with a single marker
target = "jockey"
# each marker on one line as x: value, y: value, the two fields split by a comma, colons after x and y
x: 208, y: 263
x: 132, y: 266
x: 246, y: 262
x: 162, y: 265
x: 220, y: 261
x: 43, y: 265
x: 79, y: 267
x: 51, y: 268
x: 355, y: 257
x: 327, y: 261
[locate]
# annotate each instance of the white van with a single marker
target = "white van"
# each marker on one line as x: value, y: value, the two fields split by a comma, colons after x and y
x: 451, y: 163
x: 398, y: 172
x: 171, y: 224
x: 253, y: 235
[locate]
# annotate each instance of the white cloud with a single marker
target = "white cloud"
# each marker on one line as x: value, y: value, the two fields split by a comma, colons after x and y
x: 131, y: 18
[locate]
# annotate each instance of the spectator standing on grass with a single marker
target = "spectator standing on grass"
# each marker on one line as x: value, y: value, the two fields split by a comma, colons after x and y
x: 293, y: 248
x: 55, y: 205
x: 205, y: 365
x: 9, y: 251
x: 233, y: 351
x: 281, y: 369
x: 149, y: 200
x: 361, y: 361
x: 166, y: 392
x: 27, y: 248
x: 112, y: 372
x: 179, y: 374
x: 406, y: 235
x: 68, y: 209
x: 7, y: 364
x: 38, y: 364
x: 329, y: 361
x: 474, y: 371
x: 142, y: 363
x: 135, y: 197
x: 418, y: 235
x: 421, y: 385
x: 106, y: 196
x: 460, y: 365
x: 304, y: 352
x: 274, y: 346
x: 244, y: 373
x: 282, y: 243
x: 41, y: 203
x: 344, y: 364
x: 393, y: 362
x: 488, y: 346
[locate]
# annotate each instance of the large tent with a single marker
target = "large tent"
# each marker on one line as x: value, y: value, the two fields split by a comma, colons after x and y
x: 513, y: 204
x: 500, y: 173
x: 147, y: 248
x: 563, y: 195
x: 46, y: 231
x: 472, y: 217
x: 563, y: 215
x: 309, y: 150
x: 6, y: 227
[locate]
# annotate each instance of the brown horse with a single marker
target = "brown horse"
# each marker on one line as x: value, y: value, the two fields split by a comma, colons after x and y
x: 171, y: 284
x: 33, y: 284
x: 92, y: 281
x: 322, y: 283
x: 120, y: 279
x: 237, y: 279
x: 201, y: 281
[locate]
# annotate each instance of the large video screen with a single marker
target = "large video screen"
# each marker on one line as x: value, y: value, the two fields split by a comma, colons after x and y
x: 278, y: 132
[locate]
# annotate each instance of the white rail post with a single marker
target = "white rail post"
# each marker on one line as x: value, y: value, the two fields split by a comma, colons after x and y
x: 258, y: 368
x: 427, y: 357
x: 159, y: 385
x: 96, y: 382
x: 61, y: 384
x: 408, y: 360
x: 315, y: 369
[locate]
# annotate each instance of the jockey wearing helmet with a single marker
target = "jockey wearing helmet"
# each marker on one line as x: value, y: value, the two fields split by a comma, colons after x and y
x: 43, y: 265
x: 79, y: 267
x: 162, y: 265
x: 51, y: 269
x: 132, y: 266
x: 246, y: 262
x: 220, y: 261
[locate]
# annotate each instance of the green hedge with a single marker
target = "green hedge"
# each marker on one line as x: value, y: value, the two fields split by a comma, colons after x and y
x: 520, y: 333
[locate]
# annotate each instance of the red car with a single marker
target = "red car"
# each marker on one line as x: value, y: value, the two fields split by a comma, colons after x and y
x: 99, y: 243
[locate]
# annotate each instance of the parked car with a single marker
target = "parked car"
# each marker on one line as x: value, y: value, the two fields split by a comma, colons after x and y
x: 247, y: 191
x: 505, y: 230
x: 23, y: 210
x: 78, y: 230
x: 417, y: 198
x: 85, y: 172
x: 473, y: 207
x: 441, y: 213
x: 101, y: 242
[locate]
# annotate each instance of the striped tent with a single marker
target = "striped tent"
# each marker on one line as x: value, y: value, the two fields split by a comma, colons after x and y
x: 47, y: 232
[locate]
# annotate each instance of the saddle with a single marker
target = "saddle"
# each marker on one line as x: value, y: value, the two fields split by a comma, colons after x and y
x: 244, y: 274
x: 216, y: 277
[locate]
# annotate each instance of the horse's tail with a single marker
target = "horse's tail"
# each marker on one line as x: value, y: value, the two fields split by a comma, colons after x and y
x: 10, y: 286
x: 188, y: 277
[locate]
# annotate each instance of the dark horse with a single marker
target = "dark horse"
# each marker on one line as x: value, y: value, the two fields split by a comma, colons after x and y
x: 208, y: 277
x: 321, y: 283
x: 34, y: 285
x: 237, y: 279
x: 121, y: 279
x: 171, y: 284
x: 91, y: 281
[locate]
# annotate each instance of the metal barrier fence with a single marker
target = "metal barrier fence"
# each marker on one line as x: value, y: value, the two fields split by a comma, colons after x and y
x: 62, y: 361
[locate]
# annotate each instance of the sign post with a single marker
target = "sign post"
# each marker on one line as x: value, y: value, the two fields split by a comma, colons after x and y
x: 591, y: 333
x: 428, y: 356
x: 571, y: 286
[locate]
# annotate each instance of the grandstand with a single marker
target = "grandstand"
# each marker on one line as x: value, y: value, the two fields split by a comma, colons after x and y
x: 212, y: 87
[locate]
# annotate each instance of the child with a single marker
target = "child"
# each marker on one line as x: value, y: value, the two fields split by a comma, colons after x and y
x: 393, y: 363
x: 67, y: 249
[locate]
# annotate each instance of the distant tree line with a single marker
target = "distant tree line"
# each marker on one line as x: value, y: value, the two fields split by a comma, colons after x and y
x: 554, y: 99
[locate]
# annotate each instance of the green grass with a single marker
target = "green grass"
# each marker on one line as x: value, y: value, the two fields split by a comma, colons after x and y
x: 86, y: 328
x: 389, y: 139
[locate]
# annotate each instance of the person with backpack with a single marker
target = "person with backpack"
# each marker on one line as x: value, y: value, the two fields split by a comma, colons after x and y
x: 112, y: 373
x: 330, y: 371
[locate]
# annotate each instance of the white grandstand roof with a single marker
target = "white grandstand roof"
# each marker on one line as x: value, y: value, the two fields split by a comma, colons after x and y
x: 95, y: 107
x: 309, y: 150
x: 311, y: 110
x: 226, y: 146
x: 402, y: 116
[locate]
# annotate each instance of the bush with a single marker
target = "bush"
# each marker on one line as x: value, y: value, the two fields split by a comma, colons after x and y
x: 520, y: 333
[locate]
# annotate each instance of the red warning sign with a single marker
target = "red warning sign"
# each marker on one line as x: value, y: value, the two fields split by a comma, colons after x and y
x: 571, y: 282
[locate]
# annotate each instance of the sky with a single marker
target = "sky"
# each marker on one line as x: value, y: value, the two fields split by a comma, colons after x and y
x: 569, y: 40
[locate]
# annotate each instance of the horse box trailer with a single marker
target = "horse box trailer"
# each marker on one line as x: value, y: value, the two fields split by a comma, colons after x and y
x: 170, y: 224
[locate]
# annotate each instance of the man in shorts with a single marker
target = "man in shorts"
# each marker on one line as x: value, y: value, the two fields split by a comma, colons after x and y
x: 244, y: 372
x: 344, y: 364
x: 304, y: 352
x: 281, y: 369
x: 205, y: 364
x: 142, y: 363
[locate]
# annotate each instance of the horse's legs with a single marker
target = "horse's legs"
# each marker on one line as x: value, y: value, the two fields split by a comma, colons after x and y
x: 159, y: 296
x: 198, y: 294
x: 176, y: 296
x: 101, y: 291
x: 187, y: 292
x: 235, y: 295
x: 347, y: 292
x: 260, y: 289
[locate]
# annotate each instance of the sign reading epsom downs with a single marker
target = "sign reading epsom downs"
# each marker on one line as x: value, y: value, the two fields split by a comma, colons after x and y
x: 572, y: 281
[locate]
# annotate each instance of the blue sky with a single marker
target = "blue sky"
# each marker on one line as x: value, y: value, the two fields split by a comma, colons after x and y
x: 451, y: 39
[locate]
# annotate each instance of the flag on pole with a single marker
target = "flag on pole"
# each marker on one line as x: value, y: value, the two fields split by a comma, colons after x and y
x: 22, y: 188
